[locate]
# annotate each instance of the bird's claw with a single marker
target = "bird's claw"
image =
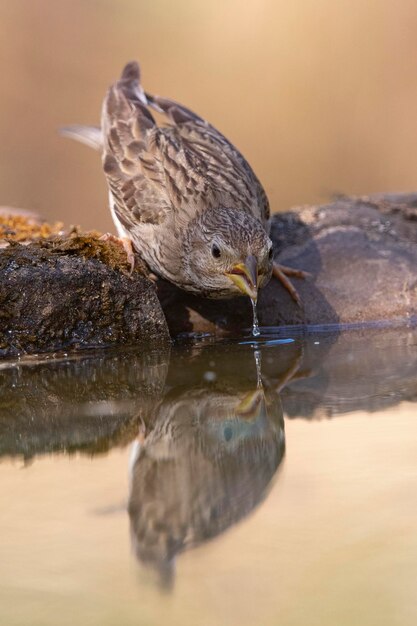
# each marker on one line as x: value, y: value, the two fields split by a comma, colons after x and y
x: 281, y: 272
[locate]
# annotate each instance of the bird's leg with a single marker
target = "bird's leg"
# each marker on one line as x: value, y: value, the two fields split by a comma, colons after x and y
x: 293, y: 372
x: 127, y: 247
x: 289, y: 374
x: 281, y: 272
x: 153, y: 277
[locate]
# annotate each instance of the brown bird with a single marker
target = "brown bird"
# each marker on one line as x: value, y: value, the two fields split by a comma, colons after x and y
x: 206, y: 461
x: 183, y: 195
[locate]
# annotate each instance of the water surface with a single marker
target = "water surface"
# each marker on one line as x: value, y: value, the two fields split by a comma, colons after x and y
x: 254, y: 481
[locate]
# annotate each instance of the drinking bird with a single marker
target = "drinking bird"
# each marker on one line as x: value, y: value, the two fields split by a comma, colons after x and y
x: 182, y: 196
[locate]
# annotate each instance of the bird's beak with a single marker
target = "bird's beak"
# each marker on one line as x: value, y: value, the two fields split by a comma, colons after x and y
x: 245, y: 276
x: 253, y: 406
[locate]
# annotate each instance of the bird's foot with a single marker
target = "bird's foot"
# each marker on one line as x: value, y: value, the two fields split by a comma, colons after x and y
x: 127, y: 247
x: 281, y: 272
x: 295, y: 371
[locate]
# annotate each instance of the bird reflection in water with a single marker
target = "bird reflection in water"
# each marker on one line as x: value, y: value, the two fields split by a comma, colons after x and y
x: 205, y: 463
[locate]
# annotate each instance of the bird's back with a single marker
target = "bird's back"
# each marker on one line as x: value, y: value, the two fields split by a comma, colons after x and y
x: 169, y: 174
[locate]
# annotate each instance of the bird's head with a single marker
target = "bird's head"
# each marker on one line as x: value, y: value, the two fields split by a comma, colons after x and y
x: 227, y: 253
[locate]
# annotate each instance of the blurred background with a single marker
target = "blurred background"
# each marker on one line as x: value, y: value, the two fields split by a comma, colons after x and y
x: 320, y: 96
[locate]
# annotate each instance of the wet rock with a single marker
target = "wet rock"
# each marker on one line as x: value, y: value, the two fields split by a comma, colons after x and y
x: 87, y: 403
x: 362, y: 256
x: 367, y: 369
x: 74, y: 292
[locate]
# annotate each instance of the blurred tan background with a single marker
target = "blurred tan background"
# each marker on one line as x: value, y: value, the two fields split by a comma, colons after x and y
x: 320, y: 96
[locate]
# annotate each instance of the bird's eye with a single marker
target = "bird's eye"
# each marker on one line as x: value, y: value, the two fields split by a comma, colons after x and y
x: 270, y: 254
x: 215, y: 250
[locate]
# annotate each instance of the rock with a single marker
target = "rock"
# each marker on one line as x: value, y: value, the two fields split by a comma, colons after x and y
x: 362, y: 256
x: 367, y: 369
x: 74, y: 292
x: 21, y: 225
x: 87, y: 403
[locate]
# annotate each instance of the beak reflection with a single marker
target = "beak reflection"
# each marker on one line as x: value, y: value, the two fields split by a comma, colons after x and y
x: 253, y: 406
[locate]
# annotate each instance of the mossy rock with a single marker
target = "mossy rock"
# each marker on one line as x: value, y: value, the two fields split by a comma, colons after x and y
x: 74, y: 292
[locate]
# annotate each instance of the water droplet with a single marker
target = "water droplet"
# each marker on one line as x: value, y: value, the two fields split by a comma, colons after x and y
x: 209, y: 376
x: 255, y: 326
x: 258, y: 369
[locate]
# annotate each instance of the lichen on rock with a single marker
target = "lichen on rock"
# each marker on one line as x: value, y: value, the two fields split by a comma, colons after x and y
x: 74, y: 291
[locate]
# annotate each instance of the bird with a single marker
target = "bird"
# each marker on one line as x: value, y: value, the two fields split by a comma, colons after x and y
x: 182, y: 196
x: 205, y: 461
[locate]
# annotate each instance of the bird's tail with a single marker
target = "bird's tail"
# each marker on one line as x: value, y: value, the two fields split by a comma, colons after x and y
x: 131, y: 72
x: 90, y: 135
x: 130, y: 83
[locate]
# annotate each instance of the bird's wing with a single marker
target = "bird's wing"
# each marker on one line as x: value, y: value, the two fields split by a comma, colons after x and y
x: 133, y: 167
x: 185, y: 167
x: 226, y: 173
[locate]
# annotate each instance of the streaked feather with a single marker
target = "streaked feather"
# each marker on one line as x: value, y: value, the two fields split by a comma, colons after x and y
x: 89, y: 135
x: 174, y: 187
